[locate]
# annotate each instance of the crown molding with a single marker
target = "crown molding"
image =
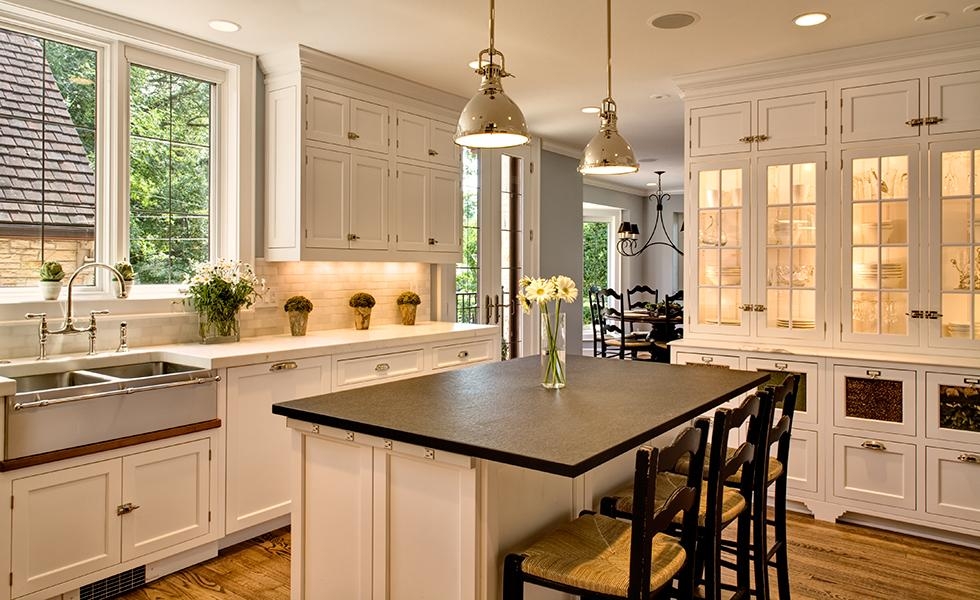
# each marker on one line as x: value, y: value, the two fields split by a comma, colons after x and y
x: 559, y: 148
x: 599, y: 181
x: 867, y: 59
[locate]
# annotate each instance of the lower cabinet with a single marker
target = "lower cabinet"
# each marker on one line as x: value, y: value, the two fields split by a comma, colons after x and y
x: 389, y: 513
x: 875, y: 470
x: 953, y: 483
x: 71, y: 522
x: 257, y: 441
x: 804, y: 453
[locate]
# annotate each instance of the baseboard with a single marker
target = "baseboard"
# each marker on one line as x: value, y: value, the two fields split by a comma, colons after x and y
x: 254, y: 531
x: 172, y: 564
x: 922, y: 531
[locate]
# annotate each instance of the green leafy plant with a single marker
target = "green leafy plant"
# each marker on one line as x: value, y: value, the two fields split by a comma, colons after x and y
x: 126, y: 270
x: 362, y: 300
x: 298, y: 304
x: 52, y: 271
x: 218, y: 290
x: 409, y: 298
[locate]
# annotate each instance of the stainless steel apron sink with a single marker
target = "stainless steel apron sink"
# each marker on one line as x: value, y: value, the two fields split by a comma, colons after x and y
x: 84, y: 402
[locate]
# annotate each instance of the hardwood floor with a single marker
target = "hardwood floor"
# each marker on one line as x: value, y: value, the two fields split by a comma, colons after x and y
x: 827, y: 562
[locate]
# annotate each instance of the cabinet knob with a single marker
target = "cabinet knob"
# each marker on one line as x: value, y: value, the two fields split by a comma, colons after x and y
x: 125, y: 509
x: 872, y: 445
x: 352, y: 136
x: 433, y: 152
x: 462, y: 354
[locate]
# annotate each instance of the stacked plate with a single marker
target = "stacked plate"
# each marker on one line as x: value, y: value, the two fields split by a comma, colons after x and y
x: 888, y: 270
x: 723, y: 275
x: 960, y: 330
x: 796, y: 323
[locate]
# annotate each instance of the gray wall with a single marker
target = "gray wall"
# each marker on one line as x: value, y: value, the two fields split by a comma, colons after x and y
x: 561, y: 231
x: 633, y: 210
x: 658, y: 261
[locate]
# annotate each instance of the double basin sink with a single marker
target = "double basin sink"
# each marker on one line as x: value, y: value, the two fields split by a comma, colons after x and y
x: 72, y: 403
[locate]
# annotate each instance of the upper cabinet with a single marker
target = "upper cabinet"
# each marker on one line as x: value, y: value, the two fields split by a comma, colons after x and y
x: 769, y: 123
x: 335, y: 145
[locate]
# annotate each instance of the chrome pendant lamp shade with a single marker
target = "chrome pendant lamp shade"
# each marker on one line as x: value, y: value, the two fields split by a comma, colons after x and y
x: 491, y: 119
x: 608, y: 153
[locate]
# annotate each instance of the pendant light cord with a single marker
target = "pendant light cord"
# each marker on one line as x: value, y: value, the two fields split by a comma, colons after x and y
x: 608, y: 49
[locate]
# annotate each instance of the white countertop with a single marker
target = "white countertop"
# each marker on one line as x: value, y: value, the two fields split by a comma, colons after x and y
x: 263, y: 349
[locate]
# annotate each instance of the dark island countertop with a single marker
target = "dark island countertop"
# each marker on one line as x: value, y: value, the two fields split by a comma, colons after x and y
x: 500, y: 412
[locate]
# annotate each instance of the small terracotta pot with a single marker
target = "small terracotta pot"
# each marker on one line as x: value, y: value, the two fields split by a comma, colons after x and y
x: 408, y: 313
x: 362, y: 317
x: 297, y: 322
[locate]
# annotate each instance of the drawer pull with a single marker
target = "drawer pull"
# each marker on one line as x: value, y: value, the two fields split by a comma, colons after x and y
x: 125, y: 509
x: 283, y: 366
x: 781, y: 366
x: 870, y: 445
x: 968, y: 458
x: 463, y: 354
x: 707, y: 359
x: 971, y: 380
x: 382, y: 367
x: 873, y: 373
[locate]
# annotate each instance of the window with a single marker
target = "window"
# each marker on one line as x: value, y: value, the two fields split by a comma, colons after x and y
x: 170, y: 174
x: 468, y: 271
x: 48, y: 180
x: 596, y: 234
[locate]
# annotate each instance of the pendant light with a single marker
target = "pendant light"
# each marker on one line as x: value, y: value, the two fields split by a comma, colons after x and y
x: 491, y: 119
x: 608, y: 153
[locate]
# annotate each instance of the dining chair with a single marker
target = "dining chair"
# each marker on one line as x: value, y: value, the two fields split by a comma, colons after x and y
x: 720, y: 505
x: 638, y: 296
x: 614, y: 333
x: 596, y: 556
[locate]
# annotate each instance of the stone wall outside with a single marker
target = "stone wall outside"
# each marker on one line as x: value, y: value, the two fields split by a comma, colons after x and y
x: 20, y: 258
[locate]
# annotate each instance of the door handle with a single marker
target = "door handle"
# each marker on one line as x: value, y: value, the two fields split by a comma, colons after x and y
x: 496, y: 308
x: 486, y: 310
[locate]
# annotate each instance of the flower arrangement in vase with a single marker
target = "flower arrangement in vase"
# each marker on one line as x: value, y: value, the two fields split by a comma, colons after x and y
x: 218, y: 291
x: 544, y: 293
x: 298, y: 308
x: 51, y: 274
x: 408, y: 303
x: 362, y: 303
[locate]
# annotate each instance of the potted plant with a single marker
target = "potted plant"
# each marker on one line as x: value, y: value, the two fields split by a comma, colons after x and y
x: 126, y: 270
x: 362, y: 303
x: 51, y: 275
x: 298, y: 308
x: 218, y: 291
x: 408, y: 303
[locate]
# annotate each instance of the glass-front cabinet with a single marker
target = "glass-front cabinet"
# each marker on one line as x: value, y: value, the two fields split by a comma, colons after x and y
x: 880, y: 246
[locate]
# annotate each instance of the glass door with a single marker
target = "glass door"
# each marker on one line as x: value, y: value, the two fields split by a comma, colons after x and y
x: 880, y: 270
x: 955, y: 261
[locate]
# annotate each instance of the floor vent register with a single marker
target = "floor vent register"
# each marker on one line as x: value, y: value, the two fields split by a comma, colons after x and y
x: 110, y: 587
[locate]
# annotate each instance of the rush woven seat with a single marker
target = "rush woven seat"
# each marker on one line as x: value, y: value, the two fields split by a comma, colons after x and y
x: 732, y: 502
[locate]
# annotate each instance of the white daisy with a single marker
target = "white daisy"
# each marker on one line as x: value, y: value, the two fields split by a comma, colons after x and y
x: 540, y: 290
x: 565, y: 288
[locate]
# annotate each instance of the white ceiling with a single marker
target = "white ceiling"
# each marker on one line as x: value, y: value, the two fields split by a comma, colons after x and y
x: 556, y: 48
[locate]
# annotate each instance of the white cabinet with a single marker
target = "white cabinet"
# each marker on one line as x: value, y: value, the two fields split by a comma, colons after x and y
x: 358, y: 370
x: 428, y: 209
x: 257, y: 485
x: 338, y: 119
x: 875, y: 470
x: 954, y: 103
x: 790, y: 121
x: 75, y: 521
x: 345, y: 200
x: 953, y: 483
x: 425, y: 139
x: 953, y: 406
x: 365, y: 529
x: 803, y: 474
x: 875, y: 399
x: 460, y: 355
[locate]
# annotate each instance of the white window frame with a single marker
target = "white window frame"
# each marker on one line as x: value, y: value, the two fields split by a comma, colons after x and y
x: 594, y: 213
x: 119, y: 42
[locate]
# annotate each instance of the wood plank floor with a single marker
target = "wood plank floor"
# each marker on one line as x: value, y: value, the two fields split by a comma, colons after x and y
x: 827, y: 562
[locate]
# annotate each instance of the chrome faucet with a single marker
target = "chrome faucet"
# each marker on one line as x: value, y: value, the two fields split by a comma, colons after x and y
x: 69, y: 327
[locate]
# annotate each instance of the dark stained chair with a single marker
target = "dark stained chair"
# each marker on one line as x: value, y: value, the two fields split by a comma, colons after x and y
x: 614, y: 333
x: 596, y: 556
x: 638, y: 296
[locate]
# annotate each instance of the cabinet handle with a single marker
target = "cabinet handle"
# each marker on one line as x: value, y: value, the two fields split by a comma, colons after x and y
x: 433, y: 241
x: 781, y: 366
x: 932, y: 314
x: 433, y: 152
x: 125, y: 509
x: 870, y: 445
x: 382, y: 367
x: 352, y: 237
x: 915, y: 122
x: 463, y: 354
x: 747, y: 139
x: 352, y: 136
x: 915, y: 314
x: 746, y: 307
x: 932, y: 120
x: 873, y: 373
x: 971, y: 380
x: 283, y: 366
x: 759, y: 307
x: 761, y: 138
x: 707, y: 359
x: 968, y: 458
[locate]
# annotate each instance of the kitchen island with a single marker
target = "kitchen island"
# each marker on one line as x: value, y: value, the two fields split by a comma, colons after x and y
x: 417, y: 489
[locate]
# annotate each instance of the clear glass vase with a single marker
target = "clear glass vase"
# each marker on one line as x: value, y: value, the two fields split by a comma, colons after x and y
x: 553, y: 374
x: 217, y: 329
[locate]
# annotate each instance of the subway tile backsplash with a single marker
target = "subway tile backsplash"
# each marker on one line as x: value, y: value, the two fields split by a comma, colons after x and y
x: 327, y: 284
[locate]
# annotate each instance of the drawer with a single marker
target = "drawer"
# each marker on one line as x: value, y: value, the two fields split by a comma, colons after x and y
x: 368, y: 370
x: 807, y: 394
x: 803, y: 455
x: 711, y: 360
x: 874, y: 399
x: 874, y: 470
x: 455, y: 355
x: 953, y: 407
x: 953, y: 483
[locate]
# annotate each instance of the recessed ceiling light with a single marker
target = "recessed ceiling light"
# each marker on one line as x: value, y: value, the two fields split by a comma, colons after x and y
x: 659, y: 96
x: 973, y: 8
x: 811, y: 19
x: 225, y: 26
x: 591, y: 110
x: 674, y: 20
x: 933, y: 16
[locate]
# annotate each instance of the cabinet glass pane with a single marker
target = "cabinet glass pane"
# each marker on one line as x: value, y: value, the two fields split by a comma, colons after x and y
x: 874, y: 399
x: 960, y: 255
x: 880, y: 245
x: 719, y: 246
x: 959, y: 407
x: 790, y: 250
x: 776, y: 379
